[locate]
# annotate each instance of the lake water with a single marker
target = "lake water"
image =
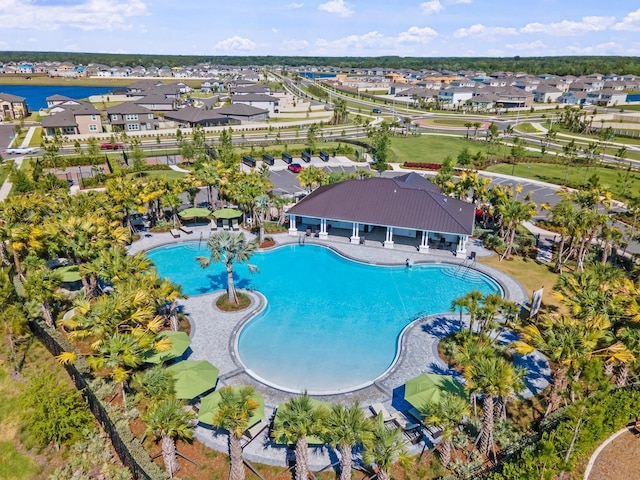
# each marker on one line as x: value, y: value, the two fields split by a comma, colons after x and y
x: 36, y: 95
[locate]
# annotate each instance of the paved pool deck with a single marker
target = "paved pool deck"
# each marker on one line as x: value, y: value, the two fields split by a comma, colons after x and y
x: 214, y: 332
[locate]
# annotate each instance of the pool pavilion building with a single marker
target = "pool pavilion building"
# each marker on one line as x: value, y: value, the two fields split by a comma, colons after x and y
x: 406, y: 206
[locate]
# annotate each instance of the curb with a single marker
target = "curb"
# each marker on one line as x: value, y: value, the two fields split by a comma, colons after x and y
x: 603, y: 445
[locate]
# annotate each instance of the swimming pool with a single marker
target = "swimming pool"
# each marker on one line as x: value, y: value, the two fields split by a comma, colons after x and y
x: 330, y: 324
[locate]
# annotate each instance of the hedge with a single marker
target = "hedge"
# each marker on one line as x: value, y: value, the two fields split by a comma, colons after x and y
x: 423, y: 165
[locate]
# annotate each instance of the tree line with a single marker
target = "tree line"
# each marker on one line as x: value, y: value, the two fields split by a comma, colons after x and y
x: 562, y: 65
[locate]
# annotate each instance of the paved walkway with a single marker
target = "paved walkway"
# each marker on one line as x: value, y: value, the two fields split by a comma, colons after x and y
x: 214, y: 335
x: 6, y: 187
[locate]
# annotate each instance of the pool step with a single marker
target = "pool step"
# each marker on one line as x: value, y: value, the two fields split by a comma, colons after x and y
x: 465, y: 273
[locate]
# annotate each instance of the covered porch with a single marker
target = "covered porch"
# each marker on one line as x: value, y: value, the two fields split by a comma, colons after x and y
x: 386, y: 236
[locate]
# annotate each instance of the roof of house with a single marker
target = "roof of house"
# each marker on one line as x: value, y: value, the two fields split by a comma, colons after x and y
x: 62, y: 119
x: 57, y: 98
x: 155, y: 99
x: 240, y: 110
x: 8, y: 97
x: 254, y: 97
x: 128, y: 108
x: 193, y: 115
x: 409, y: 201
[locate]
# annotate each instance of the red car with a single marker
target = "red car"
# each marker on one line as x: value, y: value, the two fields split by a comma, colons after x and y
x: 295, y: 167
x: 111, y: 146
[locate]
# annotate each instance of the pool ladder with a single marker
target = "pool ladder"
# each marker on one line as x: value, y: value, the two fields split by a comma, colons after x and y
x: 301, y: 239
x: 468, y: 262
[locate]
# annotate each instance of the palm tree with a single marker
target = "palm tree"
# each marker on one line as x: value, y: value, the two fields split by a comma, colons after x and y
x: 119, y: 354
x: 298, y: 419
x: 236, y: 407
x: 446, y: 414
x: 491, y: 376
x: 168, y: 420
x: 566, y: 342
x: 41, y: 287
x: 387, y: 447
x: 229, y: 248
x: 156, y: 383
x: 347, y: 427
x: 513, y: 212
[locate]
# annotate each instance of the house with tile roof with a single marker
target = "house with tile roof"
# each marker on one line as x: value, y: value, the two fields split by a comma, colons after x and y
x: 12, y: 106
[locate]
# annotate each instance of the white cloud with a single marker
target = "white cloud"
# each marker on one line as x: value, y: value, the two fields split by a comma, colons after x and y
x: 482, y: 31
x: 630, y: 22
x: 432, y: 6
x: 87, y: 15
x: 235, y: 43
x: 375, y: 41
x: 295, y: 5
x: 535, y: 46
x: 417, y: 35
x: 274, y: 30
x: 608, y: 48
x: 338, y: 7
x: 570, y: 27
x: 292, y: 45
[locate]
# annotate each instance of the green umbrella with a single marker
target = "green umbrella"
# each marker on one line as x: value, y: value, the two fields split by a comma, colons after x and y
x: 193, y: 377
x: 69, y: 274
x: 180, y: 341
x: 209, y: 406
x: 428, y: 388
x: 311, y: 439
x: 189, y: 213
x: 227, y: 213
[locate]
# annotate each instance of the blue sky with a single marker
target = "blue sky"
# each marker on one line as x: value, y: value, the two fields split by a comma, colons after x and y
x: 324, y: 27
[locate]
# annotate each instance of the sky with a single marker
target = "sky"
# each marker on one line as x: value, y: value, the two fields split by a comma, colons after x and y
x: 431, y: 28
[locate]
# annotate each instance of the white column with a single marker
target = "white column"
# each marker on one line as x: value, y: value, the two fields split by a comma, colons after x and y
x: 424, y: 244
x: 388, y: 243
x: 354, y: 233
x: 461, y: 250
x: 323, y: 229
x: 293, y: 231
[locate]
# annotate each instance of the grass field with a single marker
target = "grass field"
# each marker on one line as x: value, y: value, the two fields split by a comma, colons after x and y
x: 531, y: 275
x: 552, y: 173
x: 526, y: 128
x: 430, y: 148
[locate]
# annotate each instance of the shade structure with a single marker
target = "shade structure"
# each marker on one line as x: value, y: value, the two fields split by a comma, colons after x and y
x: 429, y: 387
x: 311, y: 439
x: 189, y: 213
x: 227, y: 213
x: 180, y: 341
x: 209, y: 406
x: 193, y: 377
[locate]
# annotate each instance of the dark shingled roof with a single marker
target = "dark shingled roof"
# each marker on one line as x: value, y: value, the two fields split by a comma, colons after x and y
x: 8, y: 97
x: 409, y: 201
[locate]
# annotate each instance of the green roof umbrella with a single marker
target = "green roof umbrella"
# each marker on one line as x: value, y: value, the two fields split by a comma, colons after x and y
x: 227, y: 213
x: 428, y: 388
x: 180, y: 343
x: 209, y: 405
x: 312, y: 439
x: 193, y: 377
x: 189, y: 213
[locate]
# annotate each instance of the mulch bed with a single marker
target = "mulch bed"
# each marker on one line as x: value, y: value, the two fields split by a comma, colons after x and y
x: 619, y: 460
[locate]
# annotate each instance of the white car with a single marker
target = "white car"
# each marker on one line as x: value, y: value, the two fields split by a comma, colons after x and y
x: 21, y: 151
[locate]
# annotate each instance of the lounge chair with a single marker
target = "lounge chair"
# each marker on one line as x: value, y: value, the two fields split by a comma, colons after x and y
x: 234, y: 225
x: 175, y: 233
x: 214, y: 226
x: 308, y: 232
x: 186, y: 230
x: 415, y: 413
x: 379, y: 409
x: 361, y: 240
x: 250, y: 434
x: 225, y: 224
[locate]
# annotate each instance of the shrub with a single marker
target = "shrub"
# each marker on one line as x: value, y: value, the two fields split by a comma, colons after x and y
x: 423, y: 165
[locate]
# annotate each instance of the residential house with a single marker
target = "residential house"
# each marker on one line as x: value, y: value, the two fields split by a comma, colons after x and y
x: 131, y: 117
x: 265, y: 102
x: 242, y: 112
x: 73, y: 117
x: 455, y: 96
x: 12, y: 106
x: 156, y: 103
x: 546, y: 93
x: 189, y: 117
x: 607, y: 97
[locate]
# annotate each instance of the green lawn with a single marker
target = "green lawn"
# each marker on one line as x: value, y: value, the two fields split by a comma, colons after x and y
x: 553, y: 173
x: 449, y: 122
x: 526, y: 128
x: 14, y: 465
x: 36, y: 138
x: 430, y: 148
x: 5, y: 168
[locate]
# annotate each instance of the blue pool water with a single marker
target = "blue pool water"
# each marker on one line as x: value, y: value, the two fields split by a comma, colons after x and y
x: 331, y: 324
x: 36, y: 95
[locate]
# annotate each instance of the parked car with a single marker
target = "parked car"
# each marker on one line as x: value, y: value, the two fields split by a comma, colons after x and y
x: 377, y: 110
x: 111, y: 146
x: 295, y: 167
